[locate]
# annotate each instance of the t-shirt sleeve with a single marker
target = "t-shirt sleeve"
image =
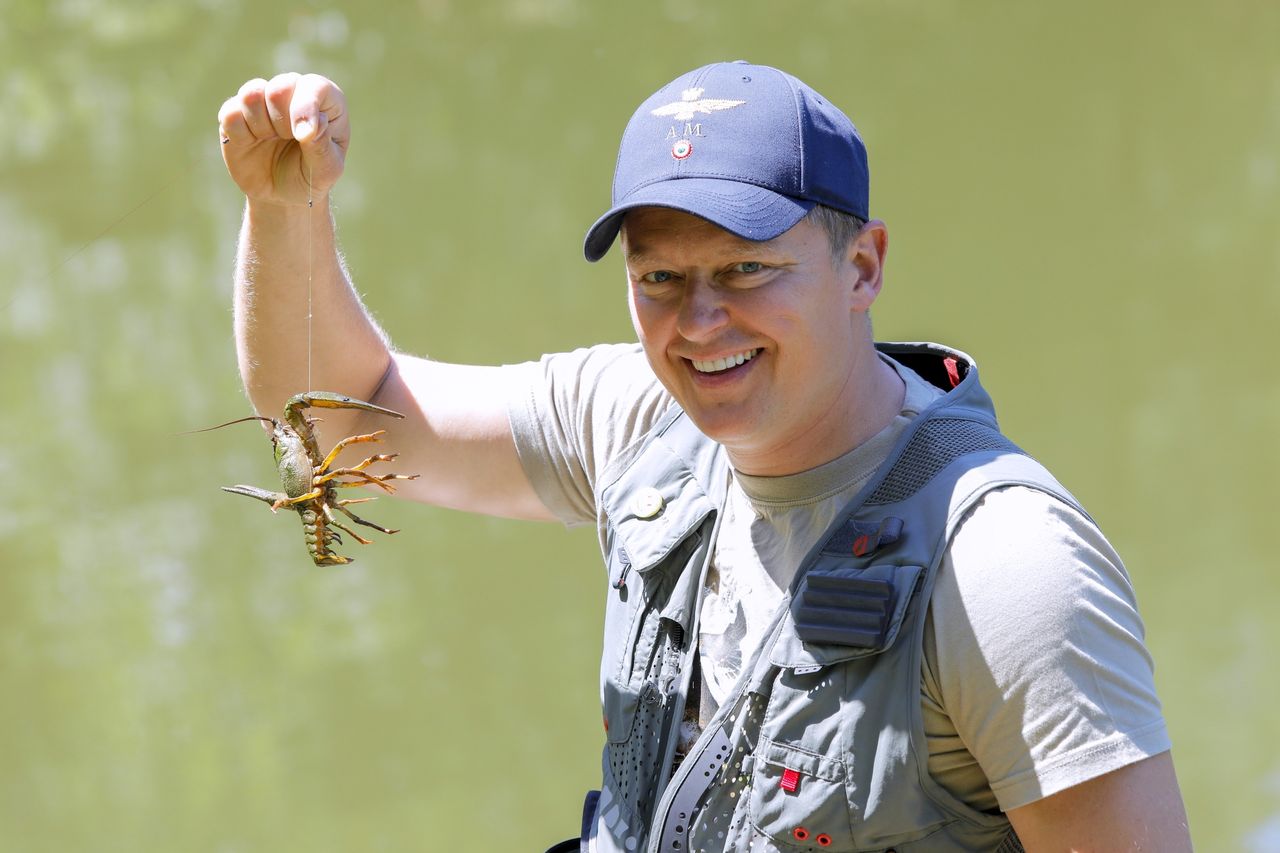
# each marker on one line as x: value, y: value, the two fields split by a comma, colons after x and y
x: 571, y: 413
x: 1037, y: 652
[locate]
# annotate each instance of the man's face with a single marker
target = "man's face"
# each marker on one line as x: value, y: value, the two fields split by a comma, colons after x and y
x: 758, y: 342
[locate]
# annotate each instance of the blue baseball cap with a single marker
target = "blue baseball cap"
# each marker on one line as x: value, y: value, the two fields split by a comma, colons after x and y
x: 747, y: 147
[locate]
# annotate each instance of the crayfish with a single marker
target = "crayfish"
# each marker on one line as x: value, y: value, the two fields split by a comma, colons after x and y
x: 310, y: 483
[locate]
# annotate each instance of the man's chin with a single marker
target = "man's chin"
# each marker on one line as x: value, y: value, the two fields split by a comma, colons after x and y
x: 722, y: 427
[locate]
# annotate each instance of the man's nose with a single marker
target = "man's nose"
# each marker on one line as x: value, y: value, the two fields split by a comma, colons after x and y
x: 702, y: 310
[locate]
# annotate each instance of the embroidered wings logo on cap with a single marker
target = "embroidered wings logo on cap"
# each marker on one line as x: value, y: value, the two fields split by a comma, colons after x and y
x: 691, y: 103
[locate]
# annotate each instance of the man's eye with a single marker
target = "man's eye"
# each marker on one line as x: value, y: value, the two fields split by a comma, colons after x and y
x: 658, y: 277
x: 748, y: 266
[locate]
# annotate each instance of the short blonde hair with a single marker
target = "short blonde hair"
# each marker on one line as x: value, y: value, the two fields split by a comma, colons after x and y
x: 841, y: 227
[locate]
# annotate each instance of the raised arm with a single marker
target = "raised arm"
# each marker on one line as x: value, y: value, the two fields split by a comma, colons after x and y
x: 285, y: 143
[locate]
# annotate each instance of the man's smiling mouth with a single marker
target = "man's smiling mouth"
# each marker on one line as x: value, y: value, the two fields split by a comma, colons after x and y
x: 720, y: 364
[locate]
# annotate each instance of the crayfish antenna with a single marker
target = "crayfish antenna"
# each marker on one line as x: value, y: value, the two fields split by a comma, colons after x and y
x: 229, y: 423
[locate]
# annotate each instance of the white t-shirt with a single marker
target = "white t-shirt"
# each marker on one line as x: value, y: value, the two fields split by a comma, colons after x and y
x: 1035, y: 676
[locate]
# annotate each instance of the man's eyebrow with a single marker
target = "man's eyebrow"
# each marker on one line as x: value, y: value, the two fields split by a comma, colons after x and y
x: 640, y: 255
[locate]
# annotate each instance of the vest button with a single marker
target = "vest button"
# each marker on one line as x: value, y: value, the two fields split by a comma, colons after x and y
x: 647, y: 503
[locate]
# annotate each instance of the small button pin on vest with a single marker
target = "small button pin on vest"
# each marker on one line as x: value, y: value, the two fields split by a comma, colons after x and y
x: 647, y: 503
x: 800, y: 834
x: 862, y: 539
x: 889, y: 531
x: 823, y: 839
x: 790, y: 781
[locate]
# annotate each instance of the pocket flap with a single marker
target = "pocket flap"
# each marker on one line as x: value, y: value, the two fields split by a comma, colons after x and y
x: 840, y: 613
x: 802, y: 761
x: 655, y: 506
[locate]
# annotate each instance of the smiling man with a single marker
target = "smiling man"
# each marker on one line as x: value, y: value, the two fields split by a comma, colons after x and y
x: 844, y: 612
x: 757, y: 341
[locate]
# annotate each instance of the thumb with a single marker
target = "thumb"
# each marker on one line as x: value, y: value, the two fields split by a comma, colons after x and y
x: 318, y: 116
x: 321, y: 155
x: 309, y: 128
x: 316, y: 98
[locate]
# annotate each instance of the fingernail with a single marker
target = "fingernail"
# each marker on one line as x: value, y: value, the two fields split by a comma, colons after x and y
x: 302, y: 129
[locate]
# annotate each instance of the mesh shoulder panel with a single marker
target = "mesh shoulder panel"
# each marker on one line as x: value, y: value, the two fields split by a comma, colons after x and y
x: 1011, y: 844
x: 937, y: 444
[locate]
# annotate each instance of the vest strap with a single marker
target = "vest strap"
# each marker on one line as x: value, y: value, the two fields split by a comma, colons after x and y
x: 684, y: 805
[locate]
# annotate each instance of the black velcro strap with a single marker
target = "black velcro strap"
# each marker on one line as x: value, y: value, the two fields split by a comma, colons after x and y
x: 844, y: 610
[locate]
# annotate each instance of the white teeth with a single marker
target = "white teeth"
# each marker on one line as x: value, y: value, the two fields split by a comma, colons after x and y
x: 720, y: 364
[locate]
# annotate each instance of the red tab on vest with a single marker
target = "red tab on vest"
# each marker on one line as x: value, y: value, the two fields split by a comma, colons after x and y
x: 953, y: 370
x: 790, y: 780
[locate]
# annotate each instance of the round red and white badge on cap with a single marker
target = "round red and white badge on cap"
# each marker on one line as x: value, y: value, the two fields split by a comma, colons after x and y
x: 682, y: 149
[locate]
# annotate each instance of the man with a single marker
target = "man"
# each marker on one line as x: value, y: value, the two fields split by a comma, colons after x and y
x: 845, y: 612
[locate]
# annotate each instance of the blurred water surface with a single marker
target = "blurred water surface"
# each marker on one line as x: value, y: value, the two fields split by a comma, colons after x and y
x: 1085, y: 196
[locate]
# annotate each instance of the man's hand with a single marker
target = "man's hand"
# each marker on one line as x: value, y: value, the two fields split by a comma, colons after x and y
x: 280, y: 135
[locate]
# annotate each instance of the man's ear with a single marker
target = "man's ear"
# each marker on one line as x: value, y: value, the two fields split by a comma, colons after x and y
x: 864, y: 263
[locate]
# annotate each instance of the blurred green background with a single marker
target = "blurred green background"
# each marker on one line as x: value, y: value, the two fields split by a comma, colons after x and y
x: 1085, y: 196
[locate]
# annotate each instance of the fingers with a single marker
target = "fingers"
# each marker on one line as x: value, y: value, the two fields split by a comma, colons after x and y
x: 319, y: 108
x: 288, y: 106
x: 253, y: 108
x: 232, y: 125
x: 277, y: 97
x: 285, y: 138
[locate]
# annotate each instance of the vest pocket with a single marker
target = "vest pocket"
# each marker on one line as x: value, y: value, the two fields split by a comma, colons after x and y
x: 798, y: 799
x: 637, y: 710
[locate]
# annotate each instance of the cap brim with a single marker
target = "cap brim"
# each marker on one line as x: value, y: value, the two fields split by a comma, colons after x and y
x: 750, y: 212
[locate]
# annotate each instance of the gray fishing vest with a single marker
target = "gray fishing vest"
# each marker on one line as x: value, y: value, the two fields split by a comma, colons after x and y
x: 820, y: 745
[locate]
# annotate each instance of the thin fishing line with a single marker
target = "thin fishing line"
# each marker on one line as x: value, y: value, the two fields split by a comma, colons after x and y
x: 311, y: 260
x: 121, y: 218
x: 117, y: 221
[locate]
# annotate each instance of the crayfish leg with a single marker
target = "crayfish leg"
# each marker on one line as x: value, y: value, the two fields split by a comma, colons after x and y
x: 358, y: 520
x: 354, y: 469
x: 347, y: 442
x: 364, y: 479
x: 329, y: 513
x: 285, y: 500
x: 385, y: 477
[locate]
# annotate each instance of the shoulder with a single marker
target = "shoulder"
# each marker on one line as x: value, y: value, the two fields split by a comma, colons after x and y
x: 585, y: 367
x: 1025, y: 572
x: 572, y: 412
x: 1038, y: 647
x: 602, y: 396
x: 1020, y: 547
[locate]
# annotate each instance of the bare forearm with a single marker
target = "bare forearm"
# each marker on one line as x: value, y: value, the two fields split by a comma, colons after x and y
x: 288, y: 268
